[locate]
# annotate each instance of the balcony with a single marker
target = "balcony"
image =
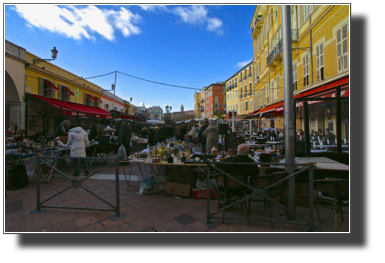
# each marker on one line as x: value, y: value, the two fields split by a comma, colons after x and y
x: 276, y: 54
x: 250, y: 93
x: 202, y: 100
x: 202, y: 109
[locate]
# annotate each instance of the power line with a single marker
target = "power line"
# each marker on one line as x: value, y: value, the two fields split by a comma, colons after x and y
x: 160, y: 83
x: 95, y: 76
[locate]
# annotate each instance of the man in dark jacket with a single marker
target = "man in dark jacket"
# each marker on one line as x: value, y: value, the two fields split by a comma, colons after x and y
x: 155, y: 137
x: 124, y: 136
x: 201, y: 138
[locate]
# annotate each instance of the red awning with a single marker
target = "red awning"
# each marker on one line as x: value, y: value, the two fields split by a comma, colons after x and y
x: 270, y: 108
x: 227, y: 116
x: 52, y: 86
x: 92, y: 97
x: 71, y: 108
x: 338, y: 83
x: 98, y: 99
x: 68, y: 89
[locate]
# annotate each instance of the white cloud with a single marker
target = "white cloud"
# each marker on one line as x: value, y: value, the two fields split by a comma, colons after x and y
x: 78, y: 21
x: 242, y: 64
x: 214, y: 24
x: 153, y: 8
x: 193, y: 15
x: 198, y: 15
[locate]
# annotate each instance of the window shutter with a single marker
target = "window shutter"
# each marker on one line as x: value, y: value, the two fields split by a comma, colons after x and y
x: 60, y: 92
x: 41, y: 87
x: 84, y: 98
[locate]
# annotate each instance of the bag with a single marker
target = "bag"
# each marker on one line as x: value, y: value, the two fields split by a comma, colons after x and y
x: 148, y: 184
x: 16, y: 177
x: 122, y: 152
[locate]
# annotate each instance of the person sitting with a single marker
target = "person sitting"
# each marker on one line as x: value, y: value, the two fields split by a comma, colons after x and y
x: 260, y: 134
x: 249, y: 171
x: 271, y: 136
x: 330, y: 137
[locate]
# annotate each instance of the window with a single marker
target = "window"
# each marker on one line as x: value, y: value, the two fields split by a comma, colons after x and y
x: 240, y: 95
x: 308, y: 9
x: 246, y: 106
x: 236, y: 82
x: 251, y: 104
x: 224, y: 105
x: 63, y: 93
x: 88, y: 100
x: 305, y: 63
x: 216, y: 99
x: 320, y: 62
x: 272, y: 90
x: 267, y: 93
x: 342, y: 49
x: 241, y: 106
x: 251, y: 90
x: 106, y: 107
x: 96, y: 103
x: 45, y: 89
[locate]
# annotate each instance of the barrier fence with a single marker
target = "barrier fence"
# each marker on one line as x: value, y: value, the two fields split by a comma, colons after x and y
x: 77, y: 183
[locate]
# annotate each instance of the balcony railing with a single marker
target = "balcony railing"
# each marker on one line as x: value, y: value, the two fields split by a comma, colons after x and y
x: 278, y: 48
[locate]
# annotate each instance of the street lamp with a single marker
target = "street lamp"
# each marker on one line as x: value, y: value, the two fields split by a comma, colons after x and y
x: 54, y: 52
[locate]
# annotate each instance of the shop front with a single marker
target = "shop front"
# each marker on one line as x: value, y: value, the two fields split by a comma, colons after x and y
x: 44, y: 114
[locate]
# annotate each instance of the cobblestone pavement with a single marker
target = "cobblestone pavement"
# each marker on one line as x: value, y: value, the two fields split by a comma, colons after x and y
x: 139, y: 213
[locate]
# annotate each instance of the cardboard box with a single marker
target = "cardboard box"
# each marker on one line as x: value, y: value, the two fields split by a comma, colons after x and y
x: 178, y: 189
x: 202, y: 194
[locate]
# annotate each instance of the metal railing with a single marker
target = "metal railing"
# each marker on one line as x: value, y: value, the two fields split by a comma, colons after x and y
x: 77, y: 183
x: 306, y: 167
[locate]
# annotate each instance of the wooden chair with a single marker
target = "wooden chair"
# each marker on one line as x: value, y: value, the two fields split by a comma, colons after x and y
x: 263, y: 181
x: 229, y: 191
x: 338, y: 190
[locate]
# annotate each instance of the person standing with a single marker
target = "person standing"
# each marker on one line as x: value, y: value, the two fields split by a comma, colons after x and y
x: 201, y: 138
x: 124, y: 136
x: 78, y: 140
x: 93, y: 132
x: 155, y: 137
x: 177, y: 131
x: 62, y: 129
x: 212, y: 136
x: 330, y: 137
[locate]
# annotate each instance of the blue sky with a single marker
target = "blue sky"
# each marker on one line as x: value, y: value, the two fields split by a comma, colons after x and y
x: 190, y: 45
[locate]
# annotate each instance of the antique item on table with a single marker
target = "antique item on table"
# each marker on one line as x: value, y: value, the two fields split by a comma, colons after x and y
x: 170, y: 159
x: 183, y: 158
x: 214, y: 151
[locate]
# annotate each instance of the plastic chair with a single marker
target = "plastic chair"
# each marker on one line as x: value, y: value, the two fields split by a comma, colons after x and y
x: 336, y: 191
x: 229, y: 191
x: 263, y: 181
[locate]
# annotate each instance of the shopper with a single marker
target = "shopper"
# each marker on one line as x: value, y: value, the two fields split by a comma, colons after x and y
x: 78, y: 140
x: 155, y: 137
x: 62, y: 129
x: 124, y: 136
x: 212, y: 136
x: 201, y: 138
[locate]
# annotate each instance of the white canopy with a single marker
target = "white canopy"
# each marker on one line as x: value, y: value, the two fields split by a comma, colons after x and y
x: 154, y: 122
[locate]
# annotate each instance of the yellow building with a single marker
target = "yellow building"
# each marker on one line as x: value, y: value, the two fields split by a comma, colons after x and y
x: 240, y: 91
x: 246, y: 89
x: 53, y: 94
x: 197, y: 105
x: 320, y: 55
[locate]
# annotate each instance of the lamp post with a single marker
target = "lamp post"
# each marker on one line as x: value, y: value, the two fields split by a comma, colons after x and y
x: 54, y: 52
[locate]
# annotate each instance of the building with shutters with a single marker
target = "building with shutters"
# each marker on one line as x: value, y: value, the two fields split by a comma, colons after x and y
x: 320, y: 66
